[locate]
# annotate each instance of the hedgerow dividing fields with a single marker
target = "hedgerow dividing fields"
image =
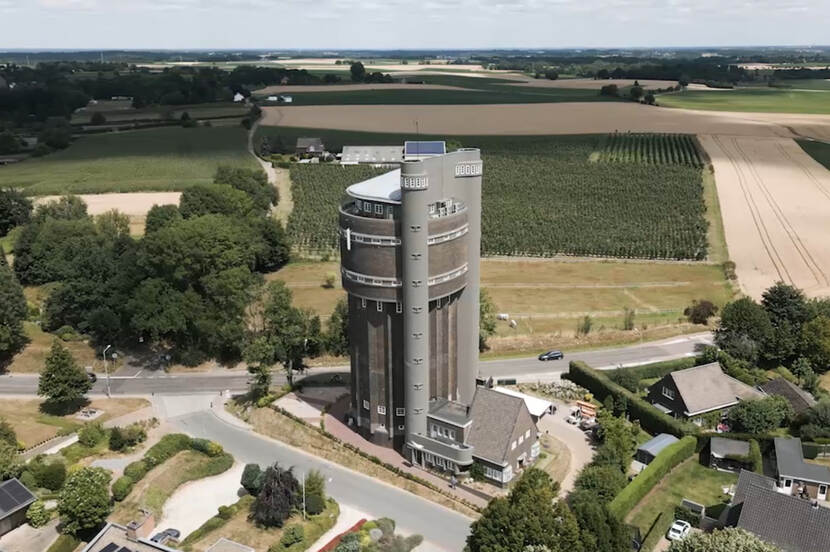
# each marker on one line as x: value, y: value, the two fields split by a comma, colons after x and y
x: 550, y: 195
x: 316, y: 191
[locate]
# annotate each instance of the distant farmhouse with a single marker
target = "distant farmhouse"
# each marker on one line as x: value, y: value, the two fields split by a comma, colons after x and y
x: 696, y: 391
x: 310, y: 146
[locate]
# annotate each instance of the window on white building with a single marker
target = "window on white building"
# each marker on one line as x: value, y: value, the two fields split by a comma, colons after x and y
x: 401, y: 427
x: 381, y: 410
x: 527, y: 434
x: 367, y: 207
x: 398, y: 308
x: 380, y: 306
x: 400, y: 412
x: 362, y: 303
x: 378, y: 209
x: 366, y: 405
x: 521, y: 439
x: 513, y: 445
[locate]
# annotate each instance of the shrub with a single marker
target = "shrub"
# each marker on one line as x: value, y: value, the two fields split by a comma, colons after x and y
x: 117, y: 441
x: 477, y: 472
x: 604, y: 481
x: 662, y: 464
x: 251, y: 479
x: 760, y: 415
x: 136, y: 470
x: 28, y: 480
x: 91, y: 434
x: 207, y: 447
x: 122, y: 487
x: 681, y: 512
x: 292, y: 534
x: 226, y: 512
x: 699, y: 312
x: 36, y: 515
x: 169, y: 445
x: 50, y: 476
x: 314, y: 505
x: 755, y: 458
x: 651, y: 419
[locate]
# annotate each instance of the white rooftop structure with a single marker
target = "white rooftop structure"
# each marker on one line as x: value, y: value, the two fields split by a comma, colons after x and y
x: 385, y: 188
x: 536, y: 406
x: 371, y: 154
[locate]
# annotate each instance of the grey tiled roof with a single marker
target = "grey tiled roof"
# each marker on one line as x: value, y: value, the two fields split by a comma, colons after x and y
x: 747, y: 478
x: 655, y: 445
x: 793, y: 524
x: 494, y: 418
x: 800, y: 399
x: 728, y: 447
x: 706, y: 387
x: 789, y: 459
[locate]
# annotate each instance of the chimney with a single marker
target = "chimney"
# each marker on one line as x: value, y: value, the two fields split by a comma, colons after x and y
x: 814, y: 504
x: 132, y: 527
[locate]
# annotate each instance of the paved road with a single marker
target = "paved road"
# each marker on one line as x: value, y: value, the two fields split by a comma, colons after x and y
x: 146, y: 382
x: 443, y: 530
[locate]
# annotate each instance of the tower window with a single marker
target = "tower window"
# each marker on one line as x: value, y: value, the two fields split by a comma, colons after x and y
x: 398, y: 307
x: 380, y: 306
x: 401, y: 428
x: 367, y: 207
x: 378, y: 209
x: 381, y: 410
x: 362, y: 303
x: 400, y: 412
x: 366, y: 405
x: 358, y: 204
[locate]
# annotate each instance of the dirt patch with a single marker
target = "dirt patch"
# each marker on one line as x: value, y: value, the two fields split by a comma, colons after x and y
x: 133, y: 204
x: 592, y: 84
x: 288, y: 89
x: 775, y: 201
x: 544, y: 119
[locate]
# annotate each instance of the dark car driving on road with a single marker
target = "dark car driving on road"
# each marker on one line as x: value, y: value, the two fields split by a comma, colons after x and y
x: 552, y: 355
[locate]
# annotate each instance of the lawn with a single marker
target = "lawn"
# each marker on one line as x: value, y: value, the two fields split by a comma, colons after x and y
x: 689, y: 480
x: 32, y: 358
x: 33, y: 426
x: 820, y: 151
x: 556, y: 460
x: 159, y: 159
x: 240, y: 529
x: 161, y: 482
x: 766, y: 100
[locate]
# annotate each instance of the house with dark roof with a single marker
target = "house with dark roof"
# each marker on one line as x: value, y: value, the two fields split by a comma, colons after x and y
x: 797, y: 477
x: 310, y: 146
x: 792, y: 524
x: 728, y: 454
x: 496, y: 431
x: 798, y: 398
x: 15, y: 500
x: 699, y: 390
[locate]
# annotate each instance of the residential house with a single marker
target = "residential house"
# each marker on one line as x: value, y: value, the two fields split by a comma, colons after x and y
x: 694, y: 392
x: 238, y: 97
x: 118, y: 538
x: 650, y: 449
x: 310, y: 146
x: 15, y: 500
x: 537, y: 406
x: 800, y: 399
x: 495, y: 431
x: 797, y: 477
x: 790, y: 523
x: 727, y: 454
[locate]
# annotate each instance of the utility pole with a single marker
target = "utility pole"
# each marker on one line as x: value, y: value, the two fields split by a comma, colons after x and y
x: 304, y: 496
x: 104, y: 355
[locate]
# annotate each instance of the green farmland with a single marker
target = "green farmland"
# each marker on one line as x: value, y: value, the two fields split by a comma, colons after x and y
x: 764, y: 100
x: 159, y: 159
x: 820, y: 151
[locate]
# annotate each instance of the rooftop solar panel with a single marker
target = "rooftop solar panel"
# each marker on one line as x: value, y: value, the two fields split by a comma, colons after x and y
x: 425, y: 148
x: 7, y: 503
x: 111, y: 547
x: 13, y: 495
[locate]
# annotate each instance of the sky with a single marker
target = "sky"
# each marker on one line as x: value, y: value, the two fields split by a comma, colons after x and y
x: 408, y: 24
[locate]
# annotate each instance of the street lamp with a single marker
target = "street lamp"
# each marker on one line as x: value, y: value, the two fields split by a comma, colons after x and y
x: 104, y: 355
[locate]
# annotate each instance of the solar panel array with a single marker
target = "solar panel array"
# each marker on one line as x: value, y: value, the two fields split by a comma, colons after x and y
x: 13, y: 495
x: 417, y: 147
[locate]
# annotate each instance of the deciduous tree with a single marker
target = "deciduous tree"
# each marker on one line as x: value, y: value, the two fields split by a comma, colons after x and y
x: 84, y: 501
x: 724, y: 540
x: 13, y: 312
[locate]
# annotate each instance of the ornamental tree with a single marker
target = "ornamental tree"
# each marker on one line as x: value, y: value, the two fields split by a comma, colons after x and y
x: 725, y: 540
x: 84, y: 501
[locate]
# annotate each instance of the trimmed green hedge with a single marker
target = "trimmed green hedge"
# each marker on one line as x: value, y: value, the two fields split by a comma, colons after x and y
x: 755, y: 458
x: 662, y: 464
x: 660, y: 369
x: 651, y: 419
x: 122, y: 487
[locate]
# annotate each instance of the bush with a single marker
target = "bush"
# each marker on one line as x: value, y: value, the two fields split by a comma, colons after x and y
x: 681, y: 512
x: 651, y: 419
x: 28, y: 480
x: 251, y: 479
x: 169, y: 445
x: 292, y: 534
x: 662, y: 464
x: 315, y: 505
x: 699, y: 312
x: 755, y: 458
x: 226, y: 512
x: 36, y: 515
x: 136, y: 470
x: 760, y: 415
x: 117, y: 441
x: 207, y: 447
x: 49, y: 476
x: 477, y: 472
x: 91, y: 434
x: 122, y: 487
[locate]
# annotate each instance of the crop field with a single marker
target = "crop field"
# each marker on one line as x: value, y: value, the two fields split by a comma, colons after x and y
x: 115, y: 112
x: 769, y: 100
x: 651, y: 149
x: 545, y: 196
x: 159, y: 159
x: 820, y: 151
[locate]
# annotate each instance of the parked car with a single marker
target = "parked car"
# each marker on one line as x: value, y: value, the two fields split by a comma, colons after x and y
x: 574, y: 418
x: 92, y: 377
x: 166, y: 535
x: 679, y: 530
x: 587, y: 424
x: 552, y: 355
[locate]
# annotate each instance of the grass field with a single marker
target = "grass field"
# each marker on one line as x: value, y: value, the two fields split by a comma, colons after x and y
x: 161, y: 482
x: 689, y: 480
x: 33, y: 427
x: 820, y: 151
x: 118, y: 112
x: 33, y: 356
x: 160, y: 159
x: 548, y: 195
x: 766, y: 100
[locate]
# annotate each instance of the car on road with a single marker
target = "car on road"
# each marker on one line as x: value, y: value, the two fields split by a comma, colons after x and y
x: 679, y: 530
x: 552, y: 355
x: 166, y: 535
x: 575, y: 417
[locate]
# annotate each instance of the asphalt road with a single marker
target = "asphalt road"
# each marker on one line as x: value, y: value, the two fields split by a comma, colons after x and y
x: 444, y: 530
x: 524, y: 369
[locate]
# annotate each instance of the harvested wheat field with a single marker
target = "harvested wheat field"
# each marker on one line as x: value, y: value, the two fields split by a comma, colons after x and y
x: 775, y: 201
x: 129, y: 203
x: 544, y: 118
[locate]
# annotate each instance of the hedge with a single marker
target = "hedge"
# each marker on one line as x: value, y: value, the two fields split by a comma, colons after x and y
x: 662, y: 464
x: 755, y: 458
x: 660, y: 369
x: 122, y: 487
x: 651, y: 419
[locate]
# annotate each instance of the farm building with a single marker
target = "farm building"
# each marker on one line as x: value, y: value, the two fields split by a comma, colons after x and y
x: 15, y: 500
x: 310, y: 146
x: 374, y: 155
x: 650, y: 449
x: 726, y: 454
